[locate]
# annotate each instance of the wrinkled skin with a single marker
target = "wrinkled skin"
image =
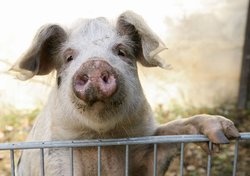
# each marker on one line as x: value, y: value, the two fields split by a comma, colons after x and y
x: 98, y: 94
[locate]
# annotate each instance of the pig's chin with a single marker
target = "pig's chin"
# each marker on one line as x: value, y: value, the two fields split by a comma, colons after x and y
x: 102, y: 115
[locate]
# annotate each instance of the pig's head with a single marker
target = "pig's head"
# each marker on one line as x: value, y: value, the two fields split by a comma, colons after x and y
x: 96, y: 64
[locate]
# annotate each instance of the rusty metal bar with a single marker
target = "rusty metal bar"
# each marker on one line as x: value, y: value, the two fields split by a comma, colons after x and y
x: 236, y: 149
x: 42, y: 161
x: 71, y: 150
x: 182, y: 159
x: 209, y: 159
x: 127, y: 160
x: 12, y: 159
x: 99, y: 161
x: 155, y: 159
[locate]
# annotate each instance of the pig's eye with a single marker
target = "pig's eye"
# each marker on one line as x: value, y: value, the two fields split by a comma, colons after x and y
x: 121, y: 53
x: 69, y: 59
x: 69, y: 55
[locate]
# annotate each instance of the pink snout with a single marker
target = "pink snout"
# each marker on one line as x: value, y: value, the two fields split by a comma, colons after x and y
x: 95, y: 80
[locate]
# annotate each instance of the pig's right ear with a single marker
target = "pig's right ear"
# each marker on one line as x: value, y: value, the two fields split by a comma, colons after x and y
x: 40, y: 58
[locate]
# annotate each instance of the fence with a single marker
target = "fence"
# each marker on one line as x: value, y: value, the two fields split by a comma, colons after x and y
x: 182, y: 139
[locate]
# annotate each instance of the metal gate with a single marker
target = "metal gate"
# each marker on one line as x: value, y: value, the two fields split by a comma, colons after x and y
x: 182, y: 139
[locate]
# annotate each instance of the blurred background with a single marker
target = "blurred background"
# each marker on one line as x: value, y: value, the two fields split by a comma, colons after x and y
x: 205, y: 41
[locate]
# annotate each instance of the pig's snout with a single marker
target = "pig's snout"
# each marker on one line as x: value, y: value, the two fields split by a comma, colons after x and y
x: 95, y: 80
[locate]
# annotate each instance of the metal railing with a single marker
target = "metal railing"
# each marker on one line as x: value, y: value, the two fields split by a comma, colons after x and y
x: 182, y: 139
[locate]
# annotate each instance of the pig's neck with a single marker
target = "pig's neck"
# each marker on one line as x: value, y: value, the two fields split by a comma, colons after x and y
x: 63, y: 127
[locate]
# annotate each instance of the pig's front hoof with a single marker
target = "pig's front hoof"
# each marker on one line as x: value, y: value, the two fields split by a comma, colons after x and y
x: 218, y: 129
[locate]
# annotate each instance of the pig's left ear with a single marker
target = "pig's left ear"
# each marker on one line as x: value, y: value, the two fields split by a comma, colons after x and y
x: 129, y: 23
x: 41, y: 57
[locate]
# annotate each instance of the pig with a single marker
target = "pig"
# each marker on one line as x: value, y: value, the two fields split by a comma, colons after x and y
x: 97, y: 95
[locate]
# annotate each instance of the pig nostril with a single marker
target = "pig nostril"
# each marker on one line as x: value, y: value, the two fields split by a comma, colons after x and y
x: 83, y: 79
x: 105, y: 77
